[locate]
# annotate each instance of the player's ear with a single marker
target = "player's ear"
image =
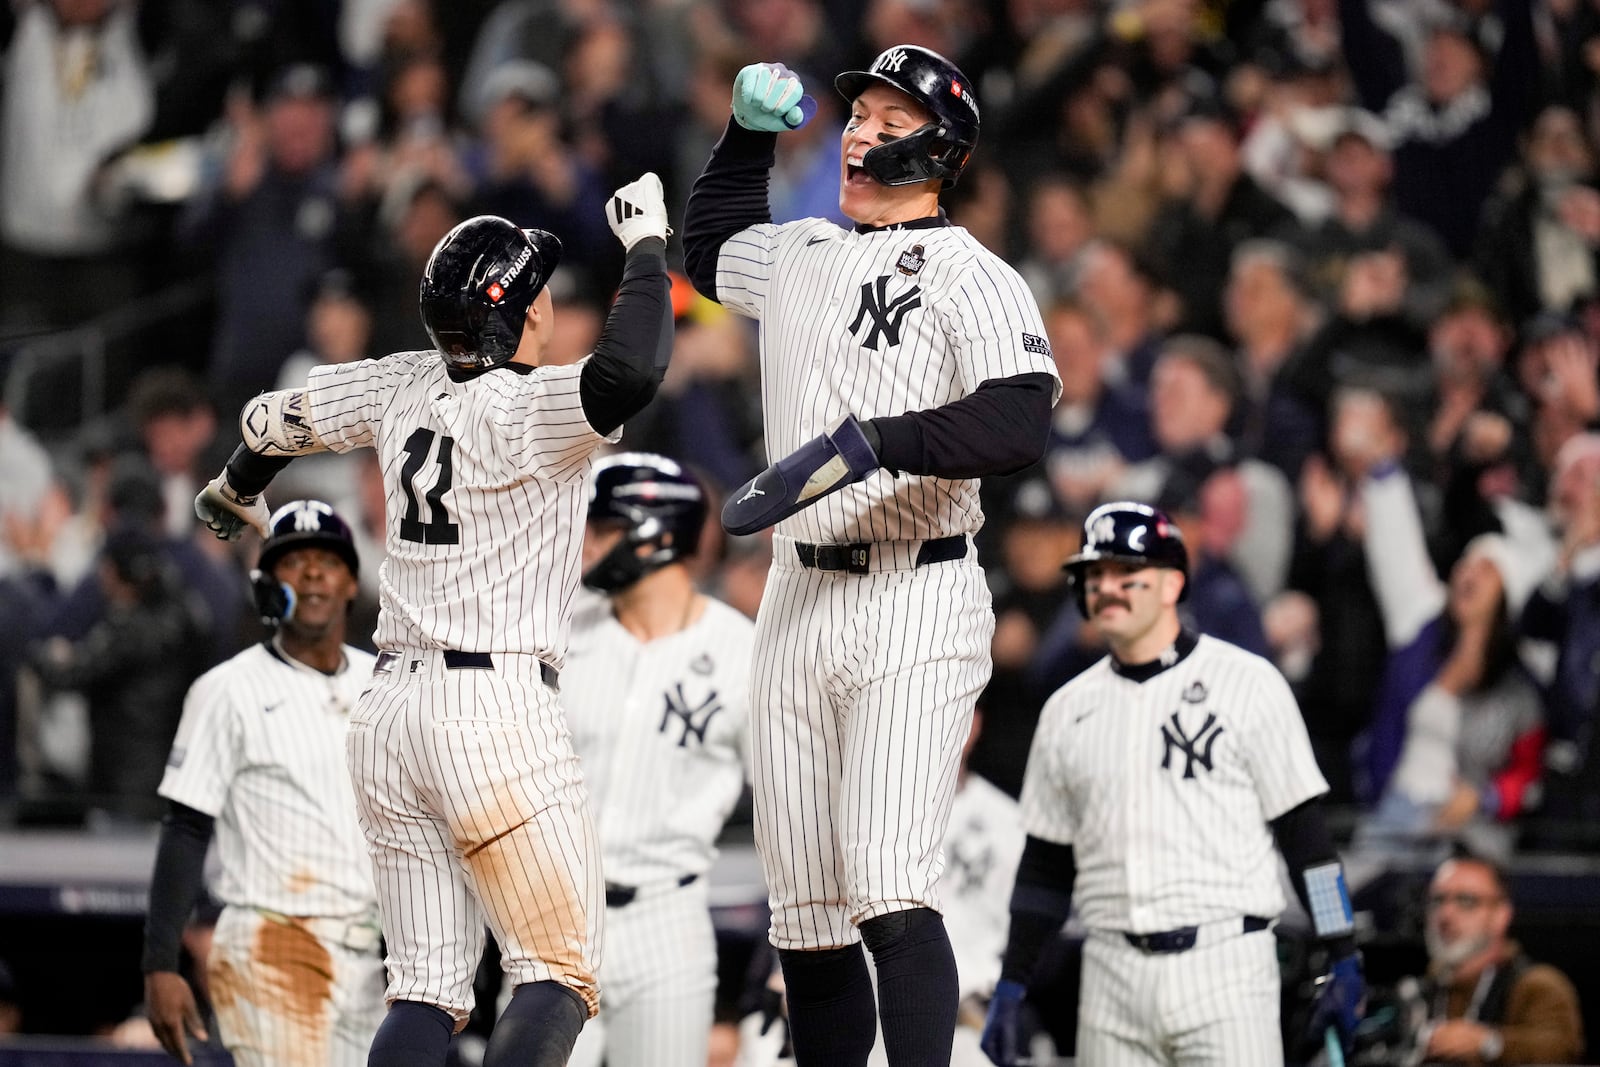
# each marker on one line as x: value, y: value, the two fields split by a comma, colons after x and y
x: 1172, y: 583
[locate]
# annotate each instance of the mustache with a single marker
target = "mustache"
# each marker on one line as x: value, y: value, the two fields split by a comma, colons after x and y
x: 1104, y: 602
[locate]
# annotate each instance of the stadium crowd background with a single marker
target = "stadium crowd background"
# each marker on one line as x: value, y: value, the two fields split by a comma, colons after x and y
x: 1322, y: 278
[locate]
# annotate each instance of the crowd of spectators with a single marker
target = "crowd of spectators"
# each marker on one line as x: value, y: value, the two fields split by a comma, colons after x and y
x: 1320, y: 277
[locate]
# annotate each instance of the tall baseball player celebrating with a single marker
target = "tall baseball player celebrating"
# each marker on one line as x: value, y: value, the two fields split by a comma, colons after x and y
x: 1158, y: 782
x: 295, y: 973
x: 466, y: 783
x: 658, y: 680
x: 901, y: 361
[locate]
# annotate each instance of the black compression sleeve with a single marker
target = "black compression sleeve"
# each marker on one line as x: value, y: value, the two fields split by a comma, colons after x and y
x: 1040, y: 904
x: 1001, y: 427
x: 631, y: 356
x: 730, y: 195
x: 250, y: 473
x: 1302, y: 837
x: 175, y: 884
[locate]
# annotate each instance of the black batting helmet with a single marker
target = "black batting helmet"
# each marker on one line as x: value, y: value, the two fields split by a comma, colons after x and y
x: 1126, y: 532
x: 478, y: 285
x: 942, y: 147
x: 658, y: 504
x: 299, y: 524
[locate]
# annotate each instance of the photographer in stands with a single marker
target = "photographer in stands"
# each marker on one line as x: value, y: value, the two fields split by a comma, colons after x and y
x: 1487, y: 1001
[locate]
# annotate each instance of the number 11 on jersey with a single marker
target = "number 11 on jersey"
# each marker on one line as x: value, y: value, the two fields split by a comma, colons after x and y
x: 437, y: 529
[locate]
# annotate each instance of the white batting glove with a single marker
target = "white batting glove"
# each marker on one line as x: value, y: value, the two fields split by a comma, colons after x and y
x: 226, y: 513
x: 638, y: 210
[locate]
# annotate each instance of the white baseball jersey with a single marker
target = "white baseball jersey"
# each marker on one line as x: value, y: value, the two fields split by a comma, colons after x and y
x: 260, y: 748
x: 866, y: 682
x: 1164, y: 788
x: 662, y: 728
x: 1163, y: 780
x: 469, y: 793
x: 295, y: 973
x: 485, y: 496
x: 878, y: 323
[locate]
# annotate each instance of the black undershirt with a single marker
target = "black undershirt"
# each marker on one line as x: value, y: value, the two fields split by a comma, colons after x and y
x: 175, y: 885
x: 999, y: 428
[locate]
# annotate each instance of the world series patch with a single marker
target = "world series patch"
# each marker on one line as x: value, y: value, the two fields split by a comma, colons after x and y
x: 911, y: 260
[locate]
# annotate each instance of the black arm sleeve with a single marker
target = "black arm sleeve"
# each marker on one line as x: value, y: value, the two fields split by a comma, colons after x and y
x: 175, y: 884
x: 1302, y: 837
x: 1040, y: 904
x: 730, y: 195
x: 631, y: 356
x: 249, y: 473
x: 1001, y: 427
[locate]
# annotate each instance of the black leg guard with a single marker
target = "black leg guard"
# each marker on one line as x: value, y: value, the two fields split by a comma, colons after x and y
x: 412, y: 1035
x: 833, y: 1019
x: 917, y: 986
x: 538, y: 1028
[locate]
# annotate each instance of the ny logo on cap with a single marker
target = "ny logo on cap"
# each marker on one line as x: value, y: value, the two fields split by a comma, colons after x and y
x: 891, y: 61
x: 308, y: 516
x: 1103, y: 529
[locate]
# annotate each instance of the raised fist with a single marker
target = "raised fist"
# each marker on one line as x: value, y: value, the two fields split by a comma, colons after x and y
x: 638, y: 210
x: 768, y: 98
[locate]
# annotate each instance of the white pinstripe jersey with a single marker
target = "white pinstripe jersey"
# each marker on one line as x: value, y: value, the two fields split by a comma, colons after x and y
x: 1164, y: 788
x: 485, y: 496
x: 261, y: 748
x: 662, y: 729
x: 872, y: 324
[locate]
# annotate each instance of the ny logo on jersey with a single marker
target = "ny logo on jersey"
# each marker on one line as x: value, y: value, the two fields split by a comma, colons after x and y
x: 886, y: 314
x: 967, y: 869
x: 693, y: 718
x: 1196, y: 748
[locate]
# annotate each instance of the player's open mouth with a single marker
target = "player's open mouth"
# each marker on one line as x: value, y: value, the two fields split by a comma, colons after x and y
x: 856, y: 175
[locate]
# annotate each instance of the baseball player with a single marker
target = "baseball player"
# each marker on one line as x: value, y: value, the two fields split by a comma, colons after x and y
x: 658, y: 680
x: 1158, y: 782
x: 294, y: 972
x: 901, y: 361
x: 466, y: 783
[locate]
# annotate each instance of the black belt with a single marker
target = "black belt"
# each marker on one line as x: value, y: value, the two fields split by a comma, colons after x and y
x: 1183, y: 938
x: 467, y: 661
x: 620, y: 896
x: 854, y: 558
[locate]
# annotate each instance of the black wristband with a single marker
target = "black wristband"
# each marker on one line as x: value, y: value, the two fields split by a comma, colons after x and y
x: 250, y: 473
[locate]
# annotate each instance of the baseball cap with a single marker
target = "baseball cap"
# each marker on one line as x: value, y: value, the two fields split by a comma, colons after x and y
x: 524, y: 79
x: 1546, y: 325
x: 299, y: 81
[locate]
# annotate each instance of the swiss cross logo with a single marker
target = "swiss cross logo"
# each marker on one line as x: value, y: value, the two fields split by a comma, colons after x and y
x: 955, y: 88
x: 495, y: 292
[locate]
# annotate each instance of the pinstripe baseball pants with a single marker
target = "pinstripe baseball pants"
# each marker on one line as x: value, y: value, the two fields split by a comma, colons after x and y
x: 474, y: 809
x: 290, y: 994
x: 863, y: 687
x: 1215, y: 1005
x: 659, y: 984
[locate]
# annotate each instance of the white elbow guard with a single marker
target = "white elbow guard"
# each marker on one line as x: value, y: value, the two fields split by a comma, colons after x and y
x: 279, y: 424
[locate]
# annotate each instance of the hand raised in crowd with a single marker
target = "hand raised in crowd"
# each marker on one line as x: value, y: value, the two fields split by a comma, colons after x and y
x: 1579, y: 211
x: 1322, y: 499
x: 247, y: 161
x: 1570, y: 380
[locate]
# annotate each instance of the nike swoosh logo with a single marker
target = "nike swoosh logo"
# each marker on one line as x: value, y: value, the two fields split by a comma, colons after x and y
x: 272, y: 707
x: 815, y: 241
x: 1076, y: 719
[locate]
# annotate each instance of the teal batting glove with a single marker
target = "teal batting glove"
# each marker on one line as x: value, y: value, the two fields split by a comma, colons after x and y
x: 768, y: 98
